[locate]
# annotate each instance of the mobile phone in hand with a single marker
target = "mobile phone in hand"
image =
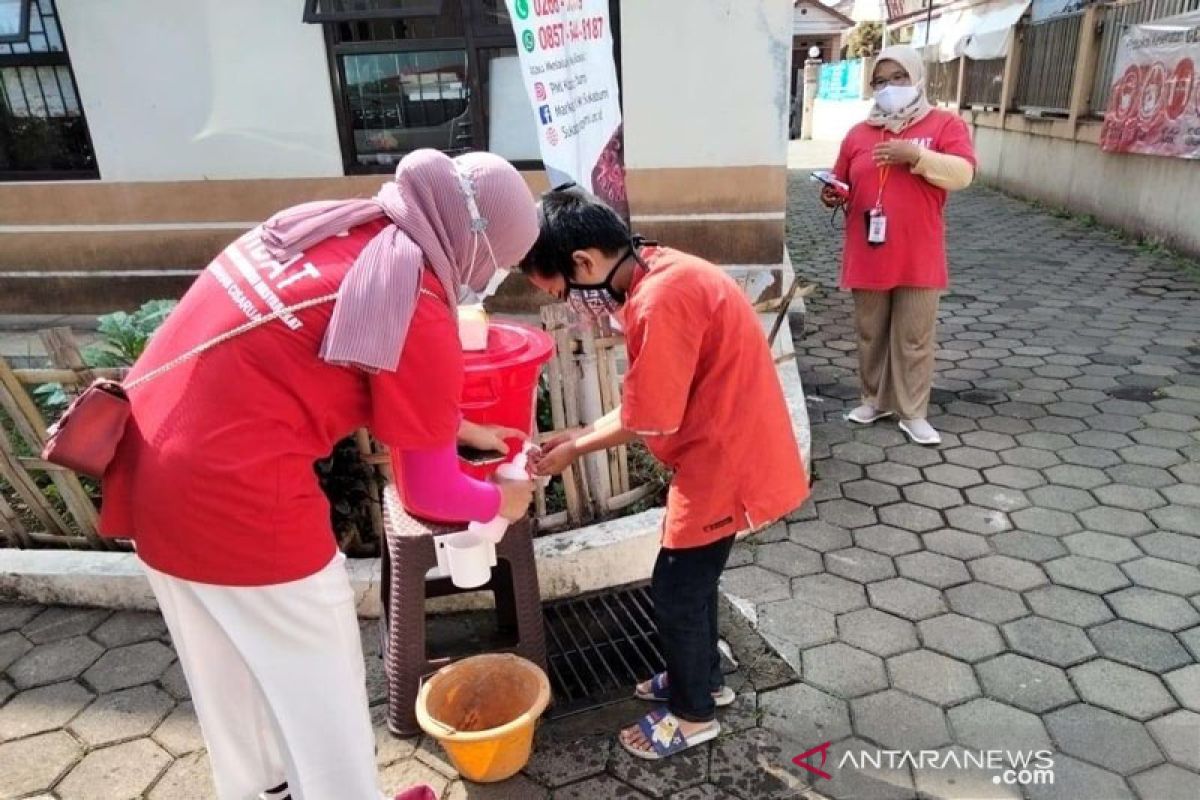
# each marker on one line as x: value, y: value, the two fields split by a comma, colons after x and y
x: 477, y: 457
x: 829, y: 179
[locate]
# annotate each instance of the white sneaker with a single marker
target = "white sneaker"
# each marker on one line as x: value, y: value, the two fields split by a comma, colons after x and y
x: 866, y: 414
x: 920, y: 431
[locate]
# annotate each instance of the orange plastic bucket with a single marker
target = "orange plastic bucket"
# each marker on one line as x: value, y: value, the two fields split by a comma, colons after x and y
x: 483, y: 711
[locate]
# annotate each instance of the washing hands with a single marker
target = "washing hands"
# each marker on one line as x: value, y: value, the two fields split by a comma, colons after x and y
x: 488, y: 437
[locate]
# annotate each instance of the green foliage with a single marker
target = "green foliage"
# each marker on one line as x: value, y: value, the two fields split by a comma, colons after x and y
x: 865, y: 40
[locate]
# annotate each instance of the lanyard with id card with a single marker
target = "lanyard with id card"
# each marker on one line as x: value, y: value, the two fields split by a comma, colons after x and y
x: 875, y: 218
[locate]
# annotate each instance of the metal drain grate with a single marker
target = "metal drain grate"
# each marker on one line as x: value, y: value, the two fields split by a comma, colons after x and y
x: 599, y: 646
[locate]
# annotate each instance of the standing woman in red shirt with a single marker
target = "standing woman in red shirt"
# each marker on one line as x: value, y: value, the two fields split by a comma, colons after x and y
x: 351, y: 310
x: 901, y: 164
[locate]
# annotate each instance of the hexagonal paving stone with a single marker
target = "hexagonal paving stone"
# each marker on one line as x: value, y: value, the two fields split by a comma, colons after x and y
x: 1046, y: 521
x: 1103, y: 738
x: 1171, y: 546
x: 911, y: 517
x: 42, y: 709
x: 952, y: 475
x: 1061, y: 498
x: 858, y: 453
x: 1012, y: 477
x: 1102, y: 546
x: 1181, y: 519
x: 130, y: 627
x: 1030, y: 457
x: 913, y: 455
x: 894, y: 474
x: 129, y: 666
x: 938, y: 571
x: 1184, y: 494
x: 1025, y: 683
x: 1133, y: 498
x: 859, y: 565
x: 1028, y: 546
x: 1076, y: 477
x: 1087, y: 780
x: 897, y: 720
x: 931, y: 495
x: 1151, y: 456
x: 972, y: 457
x: 12, y: 617
x: 1122, y: 689
x: 179, y: 734
x: 1166, y: 576
x: 876, y: 632
x: 987, y: 603
x: 734, y: 768
x: 1071, y: 606
x: 819, y: 536
x: 1086, y: 574
x: 1006, y: 572
x: 805, y: 714
x: 846, y: 513
x: 961, y: 637
x: 843, y: 671
x: 933, y: 677
x: 829, y: 592
x: 54, y: 662
x: 872, y: 493
x: 985, y: 724
x: 1185, y: 683
x: 1139, y: 646
x: 60, y: 622
x: 190, y: 778
x: 6, y: 691
x: 1157, y: 609
x: 957, y: 544
x: 124, y: 770
x: 906, y: 598
x: 967, y: 781
x: 35, y: 764
x: 755, y: 585
x: 788, y: 559
x: 978, y: 519
x: 127, y: 714
x: 997, y: 498
x: 556, y: 763
x: 1140, y: 475
x: 1116, y: 520
x: 887, y: 540
x: 1167, y: 782
x: 1178, y: 736
x: 797, y: 623
x: 1049, y: 640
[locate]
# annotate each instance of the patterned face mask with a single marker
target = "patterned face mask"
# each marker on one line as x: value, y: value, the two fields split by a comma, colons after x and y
x: 597, y: 300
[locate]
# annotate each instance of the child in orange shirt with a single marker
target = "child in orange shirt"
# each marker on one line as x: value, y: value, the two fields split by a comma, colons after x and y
x: 702, y: 392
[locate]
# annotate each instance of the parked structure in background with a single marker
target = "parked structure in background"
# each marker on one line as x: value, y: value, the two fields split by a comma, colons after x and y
x: 1035, y: 81
x: 182, y: 122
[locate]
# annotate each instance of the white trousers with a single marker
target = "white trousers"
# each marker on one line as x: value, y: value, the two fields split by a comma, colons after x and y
x: 278, y: 682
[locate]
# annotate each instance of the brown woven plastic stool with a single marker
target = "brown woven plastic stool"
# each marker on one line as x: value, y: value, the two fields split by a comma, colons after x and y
x: 408, y: 556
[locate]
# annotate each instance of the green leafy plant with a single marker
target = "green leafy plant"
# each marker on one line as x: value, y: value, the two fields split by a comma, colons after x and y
x: 865, y: 40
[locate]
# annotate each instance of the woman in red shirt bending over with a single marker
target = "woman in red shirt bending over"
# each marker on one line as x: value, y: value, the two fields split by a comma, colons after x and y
x: 900, y: 165
x: 214, y: 479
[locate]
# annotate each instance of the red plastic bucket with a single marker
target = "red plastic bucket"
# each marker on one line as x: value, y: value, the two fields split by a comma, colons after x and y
x: 500, y: 386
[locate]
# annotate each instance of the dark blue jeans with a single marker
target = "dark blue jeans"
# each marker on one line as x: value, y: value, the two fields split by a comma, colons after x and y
x: 684, y: 588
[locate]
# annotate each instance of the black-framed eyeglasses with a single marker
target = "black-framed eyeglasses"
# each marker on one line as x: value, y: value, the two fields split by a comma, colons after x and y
x: 896, y: 79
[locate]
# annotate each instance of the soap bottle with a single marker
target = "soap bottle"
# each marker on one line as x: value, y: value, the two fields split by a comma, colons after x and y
x: 516, y: 470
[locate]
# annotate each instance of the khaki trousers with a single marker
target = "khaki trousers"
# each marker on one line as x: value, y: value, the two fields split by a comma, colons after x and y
x: 896, y: 348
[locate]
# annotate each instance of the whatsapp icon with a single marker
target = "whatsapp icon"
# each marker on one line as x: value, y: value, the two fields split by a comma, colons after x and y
x: 522, y: 7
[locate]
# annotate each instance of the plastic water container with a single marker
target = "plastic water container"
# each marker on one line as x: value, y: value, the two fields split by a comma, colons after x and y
x: 501, y: 382
x: 500, y: 388
x: 516, y: 470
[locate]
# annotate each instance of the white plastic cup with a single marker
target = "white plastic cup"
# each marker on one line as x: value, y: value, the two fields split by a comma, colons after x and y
x: 469, y: 557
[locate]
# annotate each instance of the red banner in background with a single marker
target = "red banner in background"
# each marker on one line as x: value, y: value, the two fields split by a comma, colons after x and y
x: 1154, y: 106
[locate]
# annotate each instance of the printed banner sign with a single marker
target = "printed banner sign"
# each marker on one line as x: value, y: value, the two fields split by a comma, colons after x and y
x: 1154, y: 106
x: 566, y: 51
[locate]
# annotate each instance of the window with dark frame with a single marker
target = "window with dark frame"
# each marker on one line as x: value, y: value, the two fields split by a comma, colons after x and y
x: 409, y: 74
x: 43, y: 132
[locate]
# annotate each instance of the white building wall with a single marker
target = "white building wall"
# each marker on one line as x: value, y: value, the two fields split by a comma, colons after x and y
x: 203, y: 89
x: 705, y: 82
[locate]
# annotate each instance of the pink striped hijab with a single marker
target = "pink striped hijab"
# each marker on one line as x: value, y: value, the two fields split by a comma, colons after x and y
x: 464, y: 217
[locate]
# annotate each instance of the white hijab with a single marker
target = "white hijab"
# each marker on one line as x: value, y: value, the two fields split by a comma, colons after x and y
x: 912, y: 63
